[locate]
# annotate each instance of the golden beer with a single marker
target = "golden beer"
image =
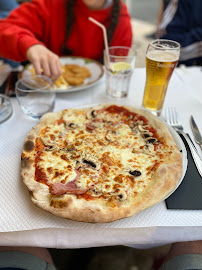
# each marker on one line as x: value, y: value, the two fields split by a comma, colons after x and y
x: 159, y: 68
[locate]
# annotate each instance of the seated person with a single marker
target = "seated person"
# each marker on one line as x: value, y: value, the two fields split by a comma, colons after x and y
x: 5, y: 9
x: 184, y: 256
x: 40, y: 31
x: 182, y: 22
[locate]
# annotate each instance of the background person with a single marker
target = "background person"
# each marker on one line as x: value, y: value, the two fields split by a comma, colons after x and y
x: 5, y: 9
x: 42, y: 30
x: 182, y: 22
x: 19, y: 258
x: 184, y: 256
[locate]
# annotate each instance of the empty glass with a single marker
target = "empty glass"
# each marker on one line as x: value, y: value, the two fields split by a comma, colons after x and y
x: 34, y: 95
x: 5, y: 108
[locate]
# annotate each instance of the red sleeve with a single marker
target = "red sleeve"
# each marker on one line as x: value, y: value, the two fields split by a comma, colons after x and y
x: 123, y: 33
x: 22, y: 29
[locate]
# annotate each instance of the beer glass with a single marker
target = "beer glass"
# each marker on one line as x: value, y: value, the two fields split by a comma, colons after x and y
x: 161, y: 59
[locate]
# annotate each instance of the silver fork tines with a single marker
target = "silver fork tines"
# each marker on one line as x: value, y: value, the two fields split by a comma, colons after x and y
x: 173, y: 120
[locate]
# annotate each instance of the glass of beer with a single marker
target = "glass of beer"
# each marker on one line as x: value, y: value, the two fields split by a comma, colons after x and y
x: 161, y: 59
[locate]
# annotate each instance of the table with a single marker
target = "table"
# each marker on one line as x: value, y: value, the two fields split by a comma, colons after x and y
x: 23, y: 224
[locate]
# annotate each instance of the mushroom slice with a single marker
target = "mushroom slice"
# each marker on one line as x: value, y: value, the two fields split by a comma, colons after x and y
x: 91, y: 114
x: 147, y: 134
x: 149, y: 149
x: 110, y: 135
x: 72, y: 125
x: 132, y: 125
x: 91, y: 162
x: 78, y: 165
x: 135, y: 130
x: 140, y: 122
x: 96, y: 193
x: 70, y: 148
x: 119, y: 195
x: 49, y: 146
x: 151, y: 140
x: 142, y: 129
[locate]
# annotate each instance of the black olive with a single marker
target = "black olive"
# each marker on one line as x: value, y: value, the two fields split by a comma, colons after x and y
x: 152, y: 140
x: 135, y: 173
x: 145, y: 135
x: 91, y: 163
x: 120, y: 196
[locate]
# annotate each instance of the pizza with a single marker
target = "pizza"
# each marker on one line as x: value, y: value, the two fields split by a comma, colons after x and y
x: 99, y: 164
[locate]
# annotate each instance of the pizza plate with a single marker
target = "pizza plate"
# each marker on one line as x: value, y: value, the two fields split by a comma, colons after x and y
x: 95, y: 68
x: 183, y: 151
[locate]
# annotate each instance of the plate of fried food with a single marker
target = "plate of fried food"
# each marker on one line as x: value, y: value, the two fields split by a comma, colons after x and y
x: 77, y: 74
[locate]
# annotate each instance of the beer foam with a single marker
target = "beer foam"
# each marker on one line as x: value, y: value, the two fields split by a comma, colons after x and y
x: 163, y: 56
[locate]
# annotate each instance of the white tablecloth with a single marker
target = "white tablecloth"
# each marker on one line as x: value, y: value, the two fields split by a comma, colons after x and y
x: 23, y: 224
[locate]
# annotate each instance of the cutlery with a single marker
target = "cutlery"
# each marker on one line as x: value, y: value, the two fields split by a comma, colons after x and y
x: 196, y: 132
x: 172, y: 119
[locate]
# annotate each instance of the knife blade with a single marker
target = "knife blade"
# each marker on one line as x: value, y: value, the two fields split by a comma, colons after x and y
x: 196, y: 132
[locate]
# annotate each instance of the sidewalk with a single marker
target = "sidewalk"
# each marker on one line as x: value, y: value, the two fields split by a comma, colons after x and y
x: 140, y: 30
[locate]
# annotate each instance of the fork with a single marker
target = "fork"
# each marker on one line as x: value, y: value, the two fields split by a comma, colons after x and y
x: 173, y: 120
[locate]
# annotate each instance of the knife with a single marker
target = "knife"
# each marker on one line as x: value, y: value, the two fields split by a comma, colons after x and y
x: 196, y: 132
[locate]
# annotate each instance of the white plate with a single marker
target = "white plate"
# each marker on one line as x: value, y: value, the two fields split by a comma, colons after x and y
x: 183, y: 151
x: 95, y: 68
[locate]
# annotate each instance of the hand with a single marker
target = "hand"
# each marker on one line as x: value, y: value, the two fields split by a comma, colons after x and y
x: 44, y: 61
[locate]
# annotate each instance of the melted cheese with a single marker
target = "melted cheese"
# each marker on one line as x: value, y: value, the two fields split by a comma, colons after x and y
x: 107, y: 148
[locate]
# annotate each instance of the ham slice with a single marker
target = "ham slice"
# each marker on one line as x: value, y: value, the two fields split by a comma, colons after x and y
x: 68, y: 188
x: 90, y: 127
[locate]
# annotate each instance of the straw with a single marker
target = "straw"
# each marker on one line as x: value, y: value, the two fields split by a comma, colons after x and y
x: 105, y: 38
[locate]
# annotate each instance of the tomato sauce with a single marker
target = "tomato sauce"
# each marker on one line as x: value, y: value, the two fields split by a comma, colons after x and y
x: 121, y: 110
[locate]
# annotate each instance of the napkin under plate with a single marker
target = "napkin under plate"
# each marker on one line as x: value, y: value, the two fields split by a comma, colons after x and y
x: 188, y: 195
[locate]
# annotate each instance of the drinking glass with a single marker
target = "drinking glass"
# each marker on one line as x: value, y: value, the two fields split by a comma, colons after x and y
x: 5, y: 108
x: 34, y: 95
x: 161, y: 59
x: 119, y: 65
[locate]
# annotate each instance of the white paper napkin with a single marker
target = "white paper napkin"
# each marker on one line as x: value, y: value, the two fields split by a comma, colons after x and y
x: 18, y: 213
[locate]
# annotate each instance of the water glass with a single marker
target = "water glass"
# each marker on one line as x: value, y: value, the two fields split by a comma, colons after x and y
x: 34, y: 95
x: 161, y: 59
x: 5, y: 108
x: 119, y: 66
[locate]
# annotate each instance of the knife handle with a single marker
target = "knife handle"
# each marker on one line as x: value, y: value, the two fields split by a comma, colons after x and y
x: 195, y: 155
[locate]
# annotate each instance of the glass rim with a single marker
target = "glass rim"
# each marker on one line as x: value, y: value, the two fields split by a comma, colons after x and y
x: 165, y: 40
x: 119, y: 47
x: 41, y: 89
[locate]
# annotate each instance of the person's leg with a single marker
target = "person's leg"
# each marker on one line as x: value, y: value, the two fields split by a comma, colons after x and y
x: 184, y: 255
x: 30, y: 255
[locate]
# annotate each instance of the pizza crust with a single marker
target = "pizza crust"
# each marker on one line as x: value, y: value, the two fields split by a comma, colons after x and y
x: 164, y: 180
